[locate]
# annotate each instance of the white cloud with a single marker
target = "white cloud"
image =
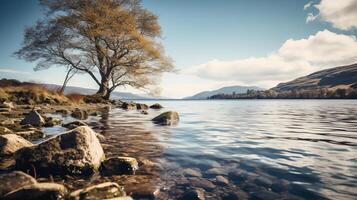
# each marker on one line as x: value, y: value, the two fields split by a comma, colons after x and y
x: 294, y: 58
x: 12, y: 71
x: 311, y: 17
x: 308, y: 5
x: 341, y: 13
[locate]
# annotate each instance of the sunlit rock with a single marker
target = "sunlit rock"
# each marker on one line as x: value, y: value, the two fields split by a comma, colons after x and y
x: 10, y: 143
x: 108, y: 190
x: 48, y: 191
x: 76, y: 152
x: 167, y: 118
x: 119, y: 166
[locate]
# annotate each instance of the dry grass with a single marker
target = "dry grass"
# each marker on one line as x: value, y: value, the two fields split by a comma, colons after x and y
x: 75, y: 97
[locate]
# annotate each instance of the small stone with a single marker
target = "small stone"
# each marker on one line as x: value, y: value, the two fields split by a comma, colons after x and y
x: 108, y: 190
x: 262, y: 181
x: 73, y: 125
x: 50, y: 122
x: 265, y: 195
x: 31, y: 134
x: 13, y: 181
x: 79, y: 114
x: 128, y: 106
x: 238, y: 176
x: 191, y: 172
x: 237, y: 195
x: 167, y: 118
x: 4, y: 130
x: 144, y: 112
x: 156, y: 106
x: 216, y: 171
x: 8, y: 105
x: 141, y: 106
x: 33, y: 118
x: 195, y: 194
x: 48, y: 191
x: 10, y: 143
x: 144, y: 191
x: 221, y: 180
x: 202, y: 183
x: 119, y: 166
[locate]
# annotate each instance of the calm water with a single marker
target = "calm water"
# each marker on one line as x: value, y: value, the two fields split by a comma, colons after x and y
x: 277, y: 149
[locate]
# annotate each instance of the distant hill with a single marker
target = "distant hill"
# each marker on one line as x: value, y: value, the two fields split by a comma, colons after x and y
x: 72, y: 89
x: 224, y: 90
x: 333, y: 78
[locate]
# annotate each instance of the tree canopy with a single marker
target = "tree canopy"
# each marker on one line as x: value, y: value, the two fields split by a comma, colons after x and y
x: 116, y: 42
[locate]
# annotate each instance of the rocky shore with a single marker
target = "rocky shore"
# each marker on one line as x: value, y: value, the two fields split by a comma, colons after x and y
x: 74, y: 164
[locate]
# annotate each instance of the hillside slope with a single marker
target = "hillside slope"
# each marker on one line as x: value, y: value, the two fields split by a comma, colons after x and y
x: 224, y: 90
x: 337, y: 77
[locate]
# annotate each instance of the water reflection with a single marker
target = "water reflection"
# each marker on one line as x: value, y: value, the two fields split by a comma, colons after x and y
x: 263, y: 149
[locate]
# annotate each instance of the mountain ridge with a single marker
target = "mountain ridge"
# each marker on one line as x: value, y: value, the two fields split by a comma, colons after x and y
x: 224, y: 90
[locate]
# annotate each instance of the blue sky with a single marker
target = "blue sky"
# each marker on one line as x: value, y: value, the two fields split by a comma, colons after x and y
x: 213, y: 43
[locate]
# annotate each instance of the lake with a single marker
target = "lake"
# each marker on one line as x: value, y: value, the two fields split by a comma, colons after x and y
x: 256, y: 149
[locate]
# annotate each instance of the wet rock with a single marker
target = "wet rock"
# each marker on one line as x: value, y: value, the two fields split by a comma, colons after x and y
x: 141, y: 106
x: 33, y: 118
x: 167, y: 118
x: 221, y: 180
x: 144, y: 191
x: 10, y: 143
x: 73, y: 125
x: 156, y: 106
x: 76, y: 152
x: 128, y: 106
x: 7, y: 122
x: 7, y: 105
x: 237, y: 195
x: 48, y: 191
x: 79, y: 114
x: 238, y: 176
x: 13, y: 181
x: 31, y: 134
x: 216, y: 171
x: 108, y: 190
x: 280, y: 186
x: 192, y: 173
x: 201, y: 183
x: 63, y: 111
x: 144, y: 112
x: 263, y: 181
x: 195, y: 194
x: 119, y: 166
x: 265, y: 195
x: 50, y: 121
x: 4, y: 130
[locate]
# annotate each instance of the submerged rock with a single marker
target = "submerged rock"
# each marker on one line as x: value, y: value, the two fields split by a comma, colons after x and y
x: 33, y: 118
x: 220, y: 180
x: 156, y: 106
x: 167, y: 118
x: 195, y: 194
x: 10, y: 143
x: 119, y: 166
x: 48, y: 191
x: 50, y: 121
x: 76, y: 152
x: 13, y: 181
x: 144, y: 112
x: 108, y: 190
x: 75, y: 124
x: 79, y: 114
x: 141, y: 106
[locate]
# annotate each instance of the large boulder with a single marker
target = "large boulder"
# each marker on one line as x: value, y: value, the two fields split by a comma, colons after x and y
x: 13, y: 181
x: 119, y: 166
x: 79, y: 114
x: 38, y: 191
x: 156, y: 106
x: 76, y: 152
x: 108, y: 190
x: 33, y: 118
x: 10, y: 143
x: 167, y: 118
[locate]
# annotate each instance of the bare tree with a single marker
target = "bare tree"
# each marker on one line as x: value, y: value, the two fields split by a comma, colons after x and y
x: 114, y: 41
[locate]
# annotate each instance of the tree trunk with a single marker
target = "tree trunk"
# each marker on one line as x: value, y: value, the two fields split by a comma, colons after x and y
x: 104, y: 90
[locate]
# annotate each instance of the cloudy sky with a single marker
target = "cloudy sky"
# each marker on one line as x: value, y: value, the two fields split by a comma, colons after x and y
x: 216, y: 44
